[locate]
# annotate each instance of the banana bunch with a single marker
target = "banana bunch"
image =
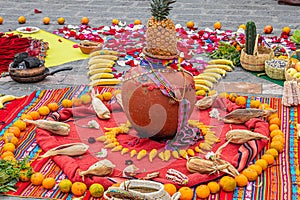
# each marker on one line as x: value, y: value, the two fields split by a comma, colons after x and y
x: 100, y: 68
x: 6, y: 98
x: 213, y: 72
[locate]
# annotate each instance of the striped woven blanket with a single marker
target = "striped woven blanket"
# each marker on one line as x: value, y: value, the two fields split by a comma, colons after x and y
x: 277, y: 182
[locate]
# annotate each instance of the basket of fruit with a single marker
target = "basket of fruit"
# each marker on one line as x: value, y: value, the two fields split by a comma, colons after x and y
x: 253, y: 56
x: 292, y: 69
x: 275, y: 68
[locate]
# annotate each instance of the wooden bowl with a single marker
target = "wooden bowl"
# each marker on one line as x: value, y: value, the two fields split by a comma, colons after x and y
x: 87, y: 47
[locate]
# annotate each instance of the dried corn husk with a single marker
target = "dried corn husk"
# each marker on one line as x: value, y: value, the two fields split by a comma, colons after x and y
x: 100, y: 168
x: 240, y: 116
x: 206, y: 102
x: 239, y: 136
x: 58, y: 128
x: 99, y: 107
x: 72, y: 149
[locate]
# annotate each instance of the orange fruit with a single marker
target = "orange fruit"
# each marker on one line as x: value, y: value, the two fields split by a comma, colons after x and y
x: 263, y: 163
x: 251, y: 174
x: 37, y: 178
x: 115, y: 21
x: 276, y: 132
x: 76, y: 101
x: 9, y: 147
x: 227, y: 183
x: 44, y: 110
x: 241, y: 180
x: 84, y: 20
x: 22, y: 20
x: 264, y: 106
x: 257, y: 168
x: 96, y: 190
x: 7, y: 153
x: 186, y: 193
x: 254, y: 104
x: 268, y: 29
x: 26, y: 116
x: 116, y: 184
x: 190, y: 24
x: 48, y: 183
x: 269, y: 158
x: 65, y: 185
x: 46, y: 20
x: 78, y: 188
x: 170, y: 188
x: 232, y: 97
x: 61, y: 21
x: 9, y: 158
x: 85, y: 99
x: 20, y: 124
x: 25, y: 175
x: 15, y: 130
x: 274, y: 115
x: 241, y: 101
x: 243, y: 26
x: 214, y: 187
x: 137, y: 22
x: 273, y: 127
x: 273, y: 152
x: 286, y: 30
x: 11, y: 139
x: 202, y: 191
x: 224, y: 95
x: 1, y: 20
x: 275, y: 120
x: 217, y: 25
x: 107, y: 96
x: 278, y: 138
x: 67, y: 103
x: 53, y: 106
x: 100, y: 97
x: 35, y: 115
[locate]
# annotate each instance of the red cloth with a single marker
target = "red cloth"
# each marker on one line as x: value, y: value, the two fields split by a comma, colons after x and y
x: 232, y: 153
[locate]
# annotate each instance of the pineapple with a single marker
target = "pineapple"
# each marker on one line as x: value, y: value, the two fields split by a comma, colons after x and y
x: 161, y: 34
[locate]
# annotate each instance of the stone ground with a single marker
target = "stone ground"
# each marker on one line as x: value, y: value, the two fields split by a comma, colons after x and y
x: 204, y: 13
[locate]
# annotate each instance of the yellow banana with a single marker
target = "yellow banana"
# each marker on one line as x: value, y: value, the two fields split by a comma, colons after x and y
x: 100, y: 70
x: 215, y: 75
x: 104, y: 52
x: 101, y: 76
x: 225, y: 67
x: 204, y: 82
x: 106, y: 81
x: 221, y: 61
x: 108, y: 57
x: 100, y: 60
x: 100, y: 65
x: 216, y: 70
x: 7, y: 98
x: 202, y: 87
x: 124, y: 150
x: 204, y: 77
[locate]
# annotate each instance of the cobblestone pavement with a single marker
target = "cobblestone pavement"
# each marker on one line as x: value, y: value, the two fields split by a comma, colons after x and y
x: 204, y: 13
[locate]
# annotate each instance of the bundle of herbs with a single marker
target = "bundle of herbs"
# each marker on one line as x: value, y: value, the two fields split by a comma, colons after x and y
x: 10, y: 173
x: 227, y: 51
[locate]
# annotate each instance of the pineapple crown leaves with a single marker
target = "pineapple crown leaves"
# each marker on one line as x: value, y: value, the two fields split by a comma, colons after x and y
x: 160, y: 8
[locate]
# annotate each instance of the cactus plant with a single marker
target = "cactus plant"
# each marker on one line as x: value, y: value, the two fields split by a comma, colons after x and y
x: 250, y: 37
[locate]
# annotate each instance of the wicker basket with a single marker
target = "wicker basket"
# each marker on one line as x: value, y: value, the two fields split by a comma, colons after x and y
x: 277, y: 73
x: 256, y: 62
x: 289, y: 65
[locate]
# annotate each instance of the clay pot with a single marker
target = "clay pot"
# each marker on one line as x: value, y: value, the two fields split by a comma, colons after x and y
x: 153, y: 114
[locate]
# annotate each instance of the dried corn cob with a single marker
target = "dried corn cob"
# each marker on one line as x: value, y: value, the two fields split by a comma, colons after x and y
x: 205, y: 146
x: 204, y: 77
x: 101, y: 76
x: 224, y: 67
x: 211, y: 74
x: 216, y: 70
x: 101, y: 66
x: 110, y: 145
x: 133, y: 153
x: 104, y: 52
x: 99, y: 107
x: 221, y: 61
x: 152, y: 154
x: 141, y: 154
x: 204, y: 82
x: 107, y: 81
x: 101, y: 168
x: 72, y: 149
x: 167, y: 155
x: 102, y: 138
x: 124, y: 151
x: 177, y: 177
x: 198, y: 150
x: 206, y: 102
x: 239, y: 136
x: 183, y: 153
x: 107, y: 57
x: 58, y: 128
x: 117, y: 148
x: 190, y: 152
x: 161, y: 156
